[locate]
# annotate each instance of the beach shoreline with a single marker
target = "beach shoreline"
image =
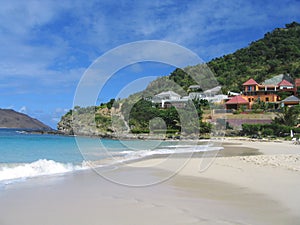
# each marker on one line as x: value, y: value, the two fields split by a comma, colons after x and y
x: 247, y: 183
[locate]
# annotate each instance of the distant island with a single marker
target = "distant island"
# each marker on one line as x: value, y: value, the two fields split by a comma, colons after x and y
x: 12, y: 119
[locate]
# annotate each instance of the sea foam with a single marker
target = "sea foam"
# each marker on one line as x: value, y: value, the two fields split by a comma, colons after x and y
x: 10, y: 173
x: 41, y: 167
x: 169, y: 150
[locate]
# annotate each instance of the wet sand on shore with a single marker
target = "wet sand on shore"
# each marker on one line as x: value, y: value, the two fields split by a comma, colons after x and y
x: 235, y: 189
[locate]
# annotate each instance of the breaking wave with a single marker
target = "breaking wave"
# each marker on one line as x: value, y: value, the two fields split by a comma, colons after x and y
x: 42, y: 167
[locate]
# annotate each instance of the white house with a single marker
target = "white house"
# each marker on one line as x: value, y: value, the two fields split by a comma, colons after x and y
x: 170, y: 95
x: 168, y: 98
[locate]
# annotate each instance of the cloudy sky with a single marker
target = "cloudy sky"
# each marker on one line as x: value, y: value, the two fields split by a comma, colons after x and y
x: 47, y: 45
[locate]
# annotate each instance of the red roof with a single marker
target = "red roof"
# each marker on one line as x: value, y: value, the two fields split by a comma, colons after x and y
x: 250, y: 82
x: 285, y: 83
x: 237, y: 100
x: 297, y: 82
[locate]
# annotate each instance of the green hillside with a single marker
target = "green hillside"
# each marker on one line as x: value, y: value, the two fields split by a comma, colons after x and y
x: 278, y: 52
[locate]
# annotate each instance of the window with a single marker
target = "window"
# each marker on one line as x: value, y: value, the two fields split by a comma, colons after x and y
x: 267, y: 99
x: 249, y: 99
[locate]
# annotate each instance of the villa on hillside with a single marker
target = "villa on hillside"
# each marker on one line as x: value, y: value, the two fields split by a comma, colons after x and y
x: 237, y: 102
x: 267, y: 92
x: 170, y: 98
x: 211, y: 95
x: 291, y: 100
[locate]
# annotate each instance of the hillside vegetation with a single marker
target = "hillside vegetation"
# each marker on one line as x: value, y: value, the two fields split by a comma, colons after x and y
x: 94, y: 120
x: 278, y: 52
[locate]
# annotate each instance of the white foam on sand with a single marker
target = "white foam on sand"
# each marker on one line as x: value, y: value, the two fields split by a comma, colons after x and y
x: 10, y: 173
x: 233, y: 190
x: 128, y: 156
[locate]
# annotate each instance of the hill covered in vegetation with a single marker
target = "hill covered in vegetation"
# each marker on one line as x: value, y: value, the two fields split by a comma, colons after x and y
x: 278, y: 52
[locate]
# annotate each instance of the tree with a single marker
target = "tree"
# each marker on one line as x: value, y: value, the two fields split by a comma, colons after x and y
x: 259, y: 105
x: 110, y: 103
x: 293, y: 24
x: 278, y: 52
x: 288, y: 116
x: 183, y: 79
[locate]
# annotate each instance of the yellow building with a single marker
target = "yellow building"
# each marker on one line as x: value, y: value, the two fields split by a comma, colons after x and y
x: 252, y: 91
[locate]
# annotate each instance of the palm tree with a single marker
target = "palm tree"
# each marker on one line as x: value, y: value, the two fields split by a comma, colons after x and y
x: 289, y: 116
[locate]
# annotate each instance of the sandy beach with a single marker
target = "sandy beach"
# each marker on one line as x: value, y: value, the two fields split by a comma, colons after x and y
x: 248, y: 183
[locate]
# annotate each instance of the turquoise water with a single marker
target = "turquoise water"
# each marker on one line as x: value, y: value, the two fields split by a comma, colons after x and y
x: 16, y: 147
x: 24, y: 155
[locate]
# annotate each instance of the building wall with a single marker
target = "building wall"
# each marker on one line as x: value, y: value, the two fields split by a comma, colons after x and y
x: 272, y: 98
x: 250, y: 88
x: 237, y: 106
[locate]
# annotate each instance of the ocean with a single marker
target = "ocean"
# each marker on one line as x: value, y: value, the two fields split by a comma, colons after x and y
x: 25, y: 155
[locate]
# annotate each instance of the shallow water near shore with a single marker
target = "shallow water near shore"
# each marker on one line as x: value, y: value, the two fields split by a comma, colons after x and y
x: 24, y: 155
x: 233, y: 190
x: 84, y: 197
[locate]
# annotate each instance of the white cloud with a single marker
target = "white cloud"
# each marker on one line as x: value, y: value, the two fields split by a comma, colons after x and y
x: 23, y: 109
x: 45, y: 46
x: 9, y: 107
x: 61, y: 110
x: 27, y: 51
x: 19, y: 17
x: 53, y: 42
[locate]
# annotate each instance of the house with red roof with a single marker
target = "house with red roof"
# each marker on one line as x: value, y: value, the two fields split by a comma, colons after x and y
x: 268, y: 91
x: 254, y: 92
x: 284, y: 84
x: 297, y: 86
x: 237, y: 102
x: 250, y: 85
x: 297, y: 82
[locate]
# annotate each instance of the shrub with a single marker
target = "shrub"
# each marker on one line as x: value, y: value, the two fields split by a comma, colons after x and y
x: 251, y: 129
x: 138, y: 131
x: 278, y: 130
x: 267, y: 132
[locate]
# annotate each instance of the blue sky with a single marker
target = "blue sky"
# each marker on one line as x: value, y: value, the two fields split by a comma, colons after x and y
x: 47, y: 45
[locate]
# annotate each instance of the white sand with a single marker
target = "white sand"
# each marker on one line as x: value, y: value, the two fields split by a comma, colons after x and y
x: 276, y: 174
x: 234, y: 190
